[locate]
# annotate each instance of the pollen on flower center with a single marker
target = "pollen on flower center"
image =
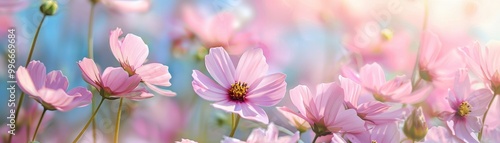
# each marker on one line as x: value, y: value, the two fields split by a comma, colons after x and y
x: 464, y: 109
x: 238, y: 91
x: 374, y: 141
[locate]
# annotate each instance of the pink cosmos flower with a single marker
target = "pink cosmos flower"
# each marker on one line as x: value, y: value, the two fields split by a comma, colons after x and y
x: 296, y: 121
x: 437, y: 65
x: 114, y: 82
x: 50, y: 89
x: 483, y: 62
x: 132, y: 52
x: 467, y: 107
x: 243, y: 89
x: 270, y: 135
x: 128, y: 5
x: 372, y: 78
x: 324, y: 109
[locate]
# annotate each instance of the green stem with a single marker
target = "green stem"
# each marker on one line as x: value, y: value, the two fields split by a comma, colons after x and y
x: 479, y: 136
x: 235, y: 123
x: 117, y: 125
x: 424, y: 27
x: 37, y: 126
x: 315, y: 138
x: 90, y: 43
x: 88, y: 122
x: 21, y: 99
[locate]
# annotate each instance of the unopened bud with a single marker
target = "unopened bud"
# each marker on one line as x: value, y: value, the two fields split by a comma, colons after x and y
x: 49, y: 7
x: 415, y: 126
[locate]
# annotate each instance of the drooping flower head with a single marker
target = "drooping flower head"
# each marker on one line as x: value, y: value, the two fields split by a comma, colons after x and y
x: 243, y: 89
x: 270, y: 135
x: 467, y: 107
x: 50, y: 89
x: 114, y: 82
x: 324, y: 109
x: 132, y: 52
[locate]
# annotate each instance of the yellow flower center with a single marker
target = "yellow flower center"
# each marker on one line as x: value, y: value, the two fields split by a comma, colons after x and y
x: 238, y: 91
x: 374, y: 141
x: 464, y: 109
x: 387, y: 34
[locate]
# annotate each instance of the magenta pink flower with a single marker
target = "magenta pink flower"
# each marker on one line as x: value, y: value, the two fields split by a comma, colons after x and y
x: 324, y: 109
x: 467, y: 107
x: 243, y: 89
x: 132, y: 52
x: 50, y: 89
x: 114, y: 82
x: 484, y: 62
x: 270, y: 135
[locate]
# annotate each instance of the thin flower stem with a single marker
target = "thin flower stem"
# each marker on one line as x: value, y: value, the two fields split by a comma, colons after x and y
x: 88, y: 122
x: 90, y: 43
x: 480, y: 135
x: 21, y: 99
x: 37, y: 126
x: 424, y: 28
x: 236, y: 120
x: 315, y: 138
x: 117, y: 125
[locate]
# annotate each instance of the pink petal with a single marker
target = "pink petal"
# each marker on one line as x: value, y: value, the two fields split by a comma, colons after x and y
x: 289, y: 139
x: 478, y: 99
x: 464, y: 133
x: 372, y: 76
x: 118, y: 80
x: 138, y: 93
x: 268, y: 90
x: 134, y: 51
x: 116, y: 45
x: 473, y: 123
x: 349, y: 121
x: 257, y: 135
x: 299, y: 96
x: 350, y: 74
x: 491, y: 61
x: 372, y: 108
x: 272, y: 132
x: 462, y: 86
x: 431, y: 48
x: 338, y: 139
x: 387, y: 133
x: 352, y: 91
x: 329, y: 101
x: 294, y: 119
x: 221, y: 27
x: 83, y: 97
x: 156, y: 74
x: 90, y: 72
x: 231, y: 140
x: 397, y: 87
x: 207, y: 89
x: 473, y: 55
x: 128, y: 5
x: 300, y: 115
x: 252, y: 66
x: 160, y: 91
x: 220, y: 66
x: 56, y: 80
x: 415, y: 97
x: 32, y: 78
x: 245, y: 110
x: 56, y: 98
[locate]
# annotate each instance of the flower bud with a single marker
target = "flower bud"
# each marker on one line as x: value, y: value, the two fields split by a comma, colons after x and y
x: 415, y: 126
x: 49, y: 7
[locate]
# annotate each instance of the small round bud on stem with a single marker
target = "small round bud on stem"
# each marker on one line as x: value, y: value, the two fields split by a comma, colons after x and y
x: 49, y: 7
x: 415, y: 126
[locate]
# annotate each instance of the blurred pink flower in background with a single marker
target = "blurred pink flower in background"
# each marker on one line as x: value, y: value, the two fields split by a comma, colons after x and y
x: 242, y: 89
x: 50, y: 89
x: 270, y: 135
x: 324, y: 109
x: 114, y: 82
x: 132, y: 52
x: 467, y: 107
x: 483, y: 62
x: 127, y: 5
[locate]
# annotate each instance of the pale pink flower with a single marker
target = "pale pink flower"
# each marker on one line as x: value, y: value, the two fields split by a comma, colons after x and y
x: 127, y: 5
x: 270, y: 135
x: 324, y: 109
x: 114, y: 82
x: 372, y: 78
x: 243, y: 89
x: 373, y: 112
x: 132, y: 52
x: 439, y: 134
x: 296, y: 121
x: 467, y: 107
x: 484, y: 62
x: 437, y: 65
x: 50, y: 89
x: 186, y: 141
x: 386, y: 133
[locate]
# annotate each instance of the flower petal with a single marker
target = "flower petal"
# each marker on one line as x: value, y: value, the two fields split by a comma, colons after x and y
x: 207, y: 89
x: 56, y: 80
x: 134, y: 51
x: 387, y: 133
x: 462, y: 86
x: 57, y: 98
x: 138, y: 93
x: 478, y: 99
x: 90, y: 73
x: 352, y: 90
x: 128, y: 5
x: 32, y: 78
x: 116, y: 45
x: 463, y: 132
x: 118, y: 80
x: 372, y: 76
x: 220, y: 66
x: 252, y: 66
x: 83, y: 97
x: 268, y: 90
x: 156, y: 74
